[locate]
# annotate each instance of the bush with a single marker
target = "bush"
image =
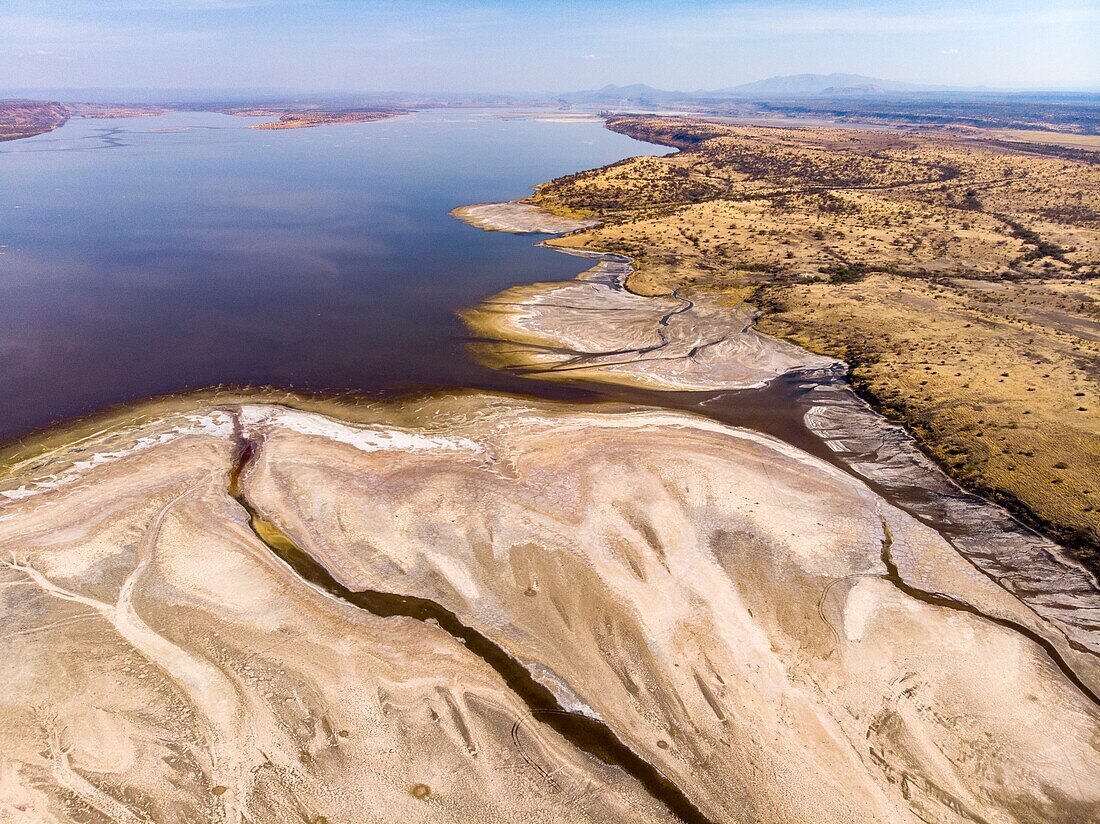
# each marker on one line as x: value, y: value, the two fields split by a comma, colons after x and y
x: 845, y: 273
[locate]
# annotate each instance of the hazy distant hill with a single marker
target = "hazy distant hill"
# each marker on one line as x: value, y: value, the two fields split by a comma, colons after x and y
x: 812, y: 85
x: 634, y: 93
x: 793, y: 85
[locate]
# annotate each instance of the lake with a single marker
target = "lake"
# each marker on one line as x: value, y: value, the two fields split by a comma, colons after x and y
x: 152, y: 255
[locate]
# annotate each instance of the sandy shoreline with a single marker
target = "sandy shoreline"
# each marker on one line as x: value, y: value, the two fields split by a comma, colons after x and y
x: 604, y: 582
x: 594, y: 329
x: 309, y: 610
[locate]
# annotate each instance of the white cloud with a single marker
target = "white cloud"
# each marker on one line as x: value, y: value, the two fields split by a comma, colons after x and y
x: 46, y: 54
x: 756, y: 20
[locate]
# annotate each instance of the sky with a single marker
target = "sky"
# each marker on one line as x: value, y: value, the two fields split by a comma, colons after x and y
x: 537, y: 45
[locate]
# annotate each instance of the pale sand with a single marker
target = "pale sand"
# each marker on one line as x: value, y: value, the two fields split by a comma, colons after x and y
x: 719, y: 599
x: 518, y: 218
x: 593, y: 329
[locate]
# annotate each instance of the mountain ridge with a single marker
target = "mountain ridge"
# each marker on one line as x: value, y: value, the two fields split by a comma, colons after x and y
x: 835, y: 84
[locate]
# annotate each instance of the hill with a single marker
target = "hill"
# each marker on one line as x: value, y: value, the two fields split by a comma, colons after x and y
x: 635, y: 93
x: 25, y: 118
x: 790, y: 86
x: 801, y: 85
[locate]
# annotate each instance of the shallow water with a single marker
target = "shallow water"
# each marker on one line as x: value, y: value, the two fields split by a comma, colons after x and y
x: 152, y: 255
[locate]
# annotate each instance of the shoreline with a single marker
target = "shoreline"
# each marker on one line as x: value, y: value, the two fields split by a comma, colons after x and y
x: 1080, y: 553
x: 518, y: 217
x: 881, y: 451
x: 595, y: 329
x: 61, y: 113
x: 386, y: 596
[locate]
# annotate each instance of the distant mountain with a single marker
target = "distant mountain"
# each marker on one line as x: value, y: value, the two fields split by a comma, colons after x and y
x: 815, y: 85
x: 793, y: 85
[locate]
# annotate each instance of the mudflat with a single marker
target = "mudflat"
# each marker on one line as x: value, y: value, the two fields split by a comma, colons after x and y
x: 519, y: 218
x: 252, y: 611
x: 594, y: 329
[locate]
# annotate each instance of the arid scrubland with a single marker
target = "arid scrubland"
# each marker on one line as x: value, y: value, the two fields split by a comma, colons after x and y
x: 956, y: 278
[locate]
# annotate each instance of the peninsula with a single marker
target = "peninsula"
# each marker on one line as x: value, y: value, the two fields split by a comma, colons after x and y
x: 26, y: 118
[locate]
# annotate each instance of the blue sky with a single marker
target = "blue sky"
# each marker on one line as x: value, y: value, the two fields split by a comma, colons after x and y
x: 412, y: 45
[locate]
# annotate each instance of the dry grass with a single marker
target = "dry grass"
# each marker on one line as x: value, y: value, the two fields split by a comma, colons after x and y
x: 956, y: 277
x: 992, y: 379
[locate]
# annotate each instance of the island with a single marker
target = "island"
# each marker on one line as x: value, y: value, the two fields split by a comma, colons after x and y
x: 306, y: 118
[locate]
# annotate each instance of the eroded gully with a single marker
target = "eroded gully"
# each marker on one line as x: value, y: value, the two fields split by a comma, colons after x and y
x: 585, y: 733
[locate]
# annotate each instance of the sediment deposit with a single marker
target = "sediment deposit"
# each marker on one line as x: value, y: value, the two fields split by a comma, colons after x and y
x: 255, y: 612
x: 1030, y: 566
x: 594, y: 329
x: 958, y: 279
x: 520, y: 218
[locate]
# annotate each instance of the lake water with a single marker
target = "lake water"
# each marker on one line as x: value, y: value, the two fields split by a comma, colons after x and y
x: 146, y: 256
